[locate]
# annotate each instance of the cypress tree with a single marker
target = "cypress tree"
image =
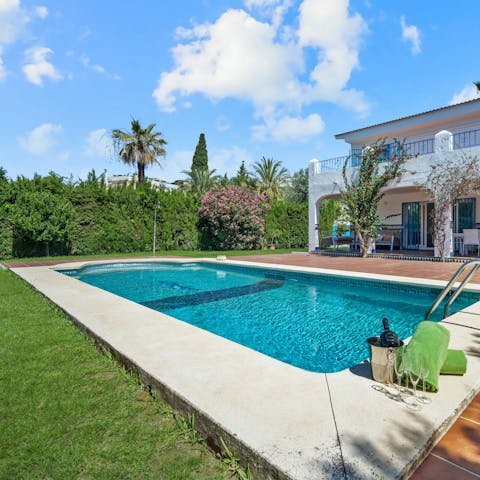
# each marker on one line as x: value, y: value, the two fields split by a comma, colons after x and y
x: 200, y: 157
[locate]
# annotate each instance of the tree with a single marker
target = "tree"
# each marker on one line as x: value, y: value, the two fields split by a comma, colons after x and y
x: 328, y: 212
x: 141, y: 147
x: 3, y: 175
x: 200, y: 181
x: 297, y: 191
x: 243, y: 178
x: 448, y: 180
x: 272, y: 177
x: 200, y: 157
x: 477, y: 84
x: 364, y: 190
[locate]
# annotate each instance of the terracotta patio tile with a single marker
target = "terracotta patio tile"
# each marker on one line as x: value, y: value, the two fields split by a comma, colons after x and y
x: 410, y: 268
x: 472, y: 412
x: 461, y: 445
x: 434, y: 468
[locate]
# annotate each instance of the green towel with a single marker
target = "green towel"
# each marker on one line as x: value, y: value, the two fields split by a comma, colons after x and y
x: 455, y: 363
x: 427, y: 346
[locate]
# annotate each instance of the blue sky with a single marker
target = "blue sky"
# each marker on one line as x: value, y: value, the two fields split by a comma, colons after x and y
x: 274, y: 78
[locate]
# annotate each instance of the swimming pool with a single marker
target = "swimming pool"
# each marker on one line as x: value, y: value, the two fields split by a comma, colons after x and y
x: 313, y: 321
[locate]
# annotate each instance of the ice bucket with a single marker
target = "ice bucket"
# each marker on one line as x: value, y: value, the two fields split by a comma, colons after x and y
x: 382, y: 371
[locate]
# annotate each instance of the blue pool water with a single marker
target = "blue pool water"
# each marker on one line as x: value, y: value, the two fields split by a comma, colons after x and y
x: 315, y: 322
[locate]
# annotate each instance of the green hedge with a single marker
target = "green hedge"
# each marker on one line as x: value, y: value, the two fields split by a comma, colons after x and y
x: 48, y: 214
x: 287, y: 225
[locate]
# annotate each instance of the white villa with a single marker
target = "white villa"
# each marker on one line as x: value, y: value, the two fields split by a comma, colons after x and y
x: 443, y: 134
x: 118, y: 180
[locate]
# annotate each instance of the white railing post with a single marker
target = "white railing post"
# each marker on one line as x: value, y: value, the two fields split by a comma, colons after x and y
x: 443, y: 142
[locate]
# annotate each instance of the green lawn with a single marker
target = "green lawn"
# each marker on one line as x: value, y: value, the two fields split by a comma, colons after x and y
x: 68, y: 412
x: 179, y: 253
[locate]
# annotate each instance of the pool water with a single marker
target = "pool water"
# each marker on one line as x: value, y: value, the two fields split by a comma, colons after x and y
x: 315, y: 322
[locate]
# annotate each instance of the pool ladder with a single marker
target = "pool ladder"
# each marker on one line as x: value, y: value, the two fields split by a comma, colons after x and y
x: 449, y: 290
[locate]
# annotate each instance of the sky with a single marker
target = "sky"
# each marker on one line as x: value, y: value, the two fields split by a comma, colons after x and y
x: 273, y: 78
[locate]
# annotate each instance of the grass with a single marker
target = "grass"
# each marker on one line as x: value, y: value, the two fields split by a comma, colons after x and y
x: 66, y: 411
x: 176, y: 253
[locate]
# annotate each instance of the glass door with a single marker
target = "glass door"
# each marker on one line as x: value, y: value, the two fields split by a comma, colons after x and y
x: 411, y: 223
x: 464, y: 214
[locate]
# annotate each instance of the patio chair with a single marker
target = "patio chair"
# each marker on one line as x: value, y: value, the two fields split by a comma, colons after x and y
x: 471, y: 236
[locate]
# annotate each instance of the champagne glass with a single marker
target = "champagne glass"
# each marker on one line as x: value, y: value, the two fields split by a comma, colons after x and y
x: 414, y: 377
x: 399, y: 367
x: 424, y: 372
x: 390, y: 361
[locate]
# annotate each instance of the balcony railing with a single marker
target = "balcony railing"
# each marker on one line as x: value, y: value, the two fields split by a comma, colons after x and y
x: 421, y: 147
x: 466, y: 139
x: 336, y: 164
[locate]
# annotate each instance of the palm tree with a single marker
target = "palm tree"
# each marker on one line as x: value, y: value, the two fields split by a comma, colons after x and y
x: 272, y: 177
x: 141, y: 146
x: 477, y: 84
x: 201, y: 180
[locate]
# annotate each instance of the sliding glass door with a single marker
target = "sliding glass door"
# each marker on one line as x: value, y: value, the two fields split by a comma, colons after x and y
x: 464, y: 214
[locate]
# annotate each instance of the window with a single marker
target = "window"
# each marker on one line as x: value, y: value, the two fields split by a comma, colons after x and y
x: 464, y: 214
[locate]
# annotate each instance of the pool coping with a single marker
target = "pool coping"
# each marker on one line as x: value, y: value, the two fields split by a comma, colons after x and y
x: 286, y: 422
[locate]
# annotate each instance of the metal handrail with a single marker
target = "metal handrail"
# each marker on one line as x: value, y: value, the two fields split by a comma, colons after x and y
x: 448, y: 288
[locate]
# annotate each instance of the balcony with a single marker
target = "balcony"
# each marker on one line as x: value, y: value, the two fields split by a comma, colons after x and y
x: 421, y: 147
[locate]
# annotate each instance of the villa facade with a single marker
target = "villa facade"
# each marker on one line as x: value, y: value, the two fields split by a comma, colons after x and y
x: 119, y: 180
x: 444, y: 134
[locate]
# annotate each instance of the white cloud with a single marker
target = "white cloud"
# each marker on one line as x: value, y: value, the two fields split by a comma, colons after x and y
x: 6, y: 5
x: 98, y: 68
x: 289, y: 128
x: 85, y: 61
x: 273, y: 9
x: 41, y: 11
x: 12, y: 21
x: 38, y: 67
x: 264, y: 63
x: 41, y: 139
x: 411, y: 33
x: 261, y: 3
x: 3, y: 71
x: 468, y: 92
x: 328, y: 27
x: 230, y: 62
x: 98, y: 144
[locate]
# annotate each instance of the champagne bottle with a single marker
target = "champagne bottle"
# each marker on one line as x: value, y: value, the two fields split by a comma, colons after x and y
x: 388, y: 338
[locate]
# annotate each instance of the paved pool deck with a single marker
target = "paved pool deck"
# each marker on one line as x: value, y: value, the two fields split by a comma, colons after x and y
x: 289, y: 423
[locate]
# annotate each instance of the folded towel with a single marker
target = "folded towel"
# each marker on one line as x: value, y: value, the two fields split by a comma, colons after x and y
x: 427, y: 349
x: 455, y: 363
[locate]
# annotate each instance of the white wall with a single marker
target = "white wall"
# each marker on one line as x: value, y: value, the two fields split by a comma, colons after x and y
x: 324, y: 185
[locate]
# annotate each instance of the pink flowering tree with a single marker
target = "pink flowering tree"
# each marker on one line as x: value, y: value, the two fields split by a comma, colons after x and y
x: 233, y: 217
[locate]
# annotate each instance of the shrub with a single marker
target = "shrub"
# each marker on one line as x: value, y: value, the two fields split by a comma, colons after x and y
x: 42, y: 219
x: 233, y: 218
x: 287, y: 225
